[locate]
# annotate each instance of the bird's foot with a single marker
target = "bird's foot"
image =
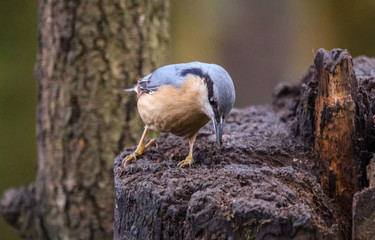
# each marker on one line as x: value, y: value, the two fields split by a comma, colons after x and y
x: 141, y: 149
x: 187, y: 162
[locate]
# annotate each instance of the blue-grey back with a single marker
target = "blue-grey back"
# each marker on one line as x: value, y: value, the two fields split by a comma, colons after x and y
x: 176, y: 74
x: 170, y: 74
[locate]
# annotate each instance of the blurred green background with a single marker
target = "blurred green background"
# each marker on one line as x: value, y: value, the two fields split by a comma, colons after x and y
x: 18, y: 34
x: 260, y: 43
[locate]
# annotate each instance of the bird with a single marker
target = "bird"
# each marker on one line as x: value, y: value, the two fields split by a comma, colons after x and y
x: 181, y: 99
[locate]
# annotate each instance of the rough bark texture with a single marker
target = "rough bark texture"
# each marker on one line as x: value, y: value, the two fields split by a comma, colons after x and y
x: 334, y: 123
x: 335, y: 107
x: 370, y: 170
x: 271, y: 178
x: 89, y: 51
x: 364, y: 201
x: 259, y: 185
x: 364, y: 207
x: 336, y: 89
x: 364, y: 214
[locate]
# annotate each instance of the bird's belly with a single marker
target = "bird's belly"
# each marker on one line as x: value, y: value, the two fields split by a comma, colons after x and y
x: 179, y: 122
x: 170, y: 110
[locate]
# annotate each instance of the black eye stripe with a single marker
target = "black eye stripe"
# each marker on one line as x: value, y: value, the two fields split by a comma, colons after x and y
x: 209, y: 83
x: 210, y: 89
x: 194, y: 71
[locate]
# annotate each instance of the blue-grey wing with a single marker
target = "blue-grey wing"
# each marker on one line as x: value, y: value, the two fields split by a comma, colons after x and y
x: 174, y: 75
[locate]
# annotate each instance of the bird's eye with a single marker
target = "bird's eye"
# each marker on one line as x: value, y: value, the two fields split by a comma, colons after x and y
x: 212, y: 100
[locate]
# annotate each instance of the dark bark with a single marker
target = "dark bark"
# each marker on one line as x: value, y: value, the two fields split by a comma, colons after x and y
x: 364, y: 206
x: 364, y: 201
x: 261, y: 184
x: 271, y: 178
x: 88, y: 52
x: 336, y: 109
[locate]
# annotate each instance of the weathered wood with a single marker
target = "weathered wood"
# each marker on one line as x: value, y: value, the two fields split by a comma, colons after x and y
x: 364, y: 214
x: 265, y: 183
x: 89, y: 51
x: 364, y: 201
x: 260, y: 185
x: 370, y: 170
x: 334, y: 116
x: 335, y: 123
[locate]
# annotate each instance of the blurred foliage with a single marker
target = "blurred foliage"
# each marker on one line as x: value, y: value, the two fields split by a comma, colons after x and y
x: 259, y: 42
x: 18, y: 34
x: 263, y: 42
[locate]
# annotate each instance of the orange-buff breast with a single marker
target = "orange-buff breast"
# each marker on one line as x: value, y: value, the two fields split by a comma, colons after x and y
x: 179, y: 110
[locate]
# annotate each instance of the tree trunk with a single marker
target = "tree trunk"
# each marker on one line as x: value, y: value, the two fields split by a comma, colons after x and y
x: 271, y: 178
x: 89, y: 51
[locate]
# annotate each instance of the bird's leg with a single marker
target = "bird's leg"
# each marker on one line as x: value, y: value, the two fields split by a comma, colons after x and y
x: 141, y: 148
x: 189, y: 159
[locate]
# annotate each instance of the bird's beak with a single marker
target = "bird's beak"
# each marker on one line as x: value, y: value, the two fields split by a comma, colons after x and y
x: 218, y: 126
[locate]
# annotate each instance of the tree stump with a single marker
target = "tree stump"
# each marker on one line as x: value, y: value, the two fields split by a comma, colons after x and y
x: 340, y: 114
x: 259, y: 184
x: 272, y: 179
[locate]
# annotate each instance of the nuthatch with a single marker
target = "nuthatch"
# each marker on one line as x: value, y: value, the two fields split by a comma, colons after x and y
x: 181, y: 99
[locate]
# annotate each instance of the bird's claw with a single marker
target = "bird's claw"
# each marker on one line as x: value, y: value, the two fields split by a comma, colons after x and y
x: 155, y: 143
x: 138, y: 152
x: 151, y: 143
x: 186, y: 163
x: 128, y: 159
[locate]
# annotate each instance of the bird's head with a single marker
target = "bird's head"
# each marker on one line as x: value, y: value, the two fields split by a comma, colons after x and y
x: 221, y: 97
x: 220, y: 93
